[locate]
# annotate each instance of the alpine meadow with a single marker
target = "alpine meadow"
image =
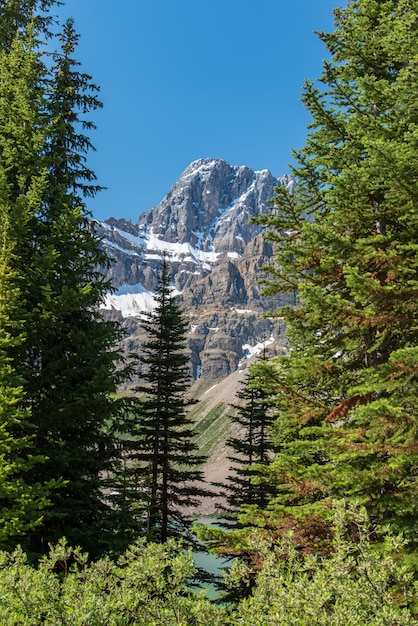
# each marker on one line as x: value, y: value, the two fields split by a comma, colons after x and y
x: 101, y: 466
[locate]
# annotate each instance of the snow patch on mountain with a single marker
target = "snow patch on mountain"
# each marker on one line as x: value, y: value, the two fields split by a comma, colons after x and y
x: 152, y: 247
x: 249, y: 351
x: 178, y: 251
x: 112, y: 244
x: 130, y: 304
x: 133, y: 300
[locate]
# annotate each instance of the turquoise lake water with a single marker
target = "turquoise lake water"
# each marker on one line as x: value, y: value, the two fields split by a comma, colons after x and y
x: 210, y: 562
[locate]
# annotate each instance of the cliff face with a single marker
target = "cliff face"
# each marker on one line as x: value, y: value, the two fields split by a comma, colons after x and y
x: 215, y: 258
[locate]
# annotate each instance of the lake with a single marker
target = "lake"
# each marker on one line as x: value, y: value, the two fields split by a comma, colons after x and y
x: 210, y: 562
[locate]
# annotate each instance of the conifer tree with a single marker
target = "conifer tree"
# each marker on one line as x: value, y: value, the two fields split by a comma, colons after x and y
x: 70, y: 362
x: 17, y: 15
x: 66, y: 358
x: 251, y: 446
x: 22, y: 184
x: 21, y: 502
x: 163, y: 453
x: 347, y: 242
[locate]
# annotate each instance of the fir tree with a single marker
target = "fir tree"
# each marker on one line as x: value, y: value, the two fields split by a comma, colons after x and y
x: 22, y: 184
x: 65, y: 356
x: 252, y: 446
x: 70, y: 357
x: 163, y: 454
x: 347, y: 242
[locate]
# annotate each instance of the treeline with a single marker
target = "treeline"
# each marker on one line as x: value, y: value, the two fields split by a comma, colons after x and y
x: 150, y: 585
x: 76, y: 461
x: 342, y: 405
x: 58, y: 366
x: 326, y: 457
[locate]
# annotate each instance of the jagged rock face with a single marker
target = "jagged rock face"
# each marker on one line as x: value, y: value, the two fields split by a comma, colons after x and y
x: 210, y: 205
x: 215, y: 257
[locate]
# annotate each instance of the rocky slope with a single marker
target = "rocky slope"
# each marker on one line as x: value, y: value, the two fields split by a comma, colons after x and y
x: 215, y: 257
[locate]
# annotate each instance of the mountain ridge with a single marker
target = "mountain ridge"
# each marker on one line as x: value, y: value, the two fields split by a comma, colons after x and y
x: 215, y: 255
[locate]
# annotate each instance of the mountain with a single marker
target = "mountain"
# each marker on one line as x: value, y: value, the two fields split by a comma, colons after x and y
x: 216, y: 260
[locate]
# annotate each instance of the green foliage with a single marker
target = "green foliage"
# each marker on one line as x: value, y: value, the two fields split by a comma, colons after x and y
x: 150, y: 585
x: 147, y: 586
x: 62, y: 352
x: 162, y: 452
x: 21, y: 504
x: 16, y: 15
x: 346, y: 242
x: 352, y: 586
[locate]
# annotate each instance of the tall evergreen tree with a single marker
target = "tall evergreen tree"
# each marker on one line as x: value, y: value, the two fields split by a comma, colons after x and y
x: 22, y: 184
x: 251, y: 446
x: 163, y: 453
x: 70, y: 360
x: 21, y: 502
x: 347, y: 242
x: 65, y: 356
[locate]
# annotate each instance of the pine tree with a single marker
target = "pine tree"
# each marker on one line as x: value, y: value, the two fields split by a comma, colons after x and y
x: 347, y: 242
x: 69, y: 357
x: 164, y: 457
x: 251, y: 446
x: 65, y: 355
x: 22, y: 184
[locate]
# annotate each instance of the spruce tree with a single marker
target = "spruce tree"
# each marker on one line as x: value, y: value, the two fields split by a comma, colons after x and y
x: 65, y: 355
x: 22, y: 184
x: 164, y: 457
x: 70, y: 353
x: 22, y: 502
x: 251, y: 446
x: 17, y: 15
x: 347, y: 242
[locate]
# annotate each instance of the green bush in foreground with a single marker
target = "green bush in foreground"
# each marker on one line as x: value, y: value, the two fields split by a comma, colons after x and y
x: 149, y: 586
x: 146, y: 586
x: 355, y: 586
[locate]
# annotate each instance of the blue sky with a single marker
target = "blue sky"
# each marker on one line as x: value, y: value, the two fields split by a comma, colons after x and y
x: 188, y: 79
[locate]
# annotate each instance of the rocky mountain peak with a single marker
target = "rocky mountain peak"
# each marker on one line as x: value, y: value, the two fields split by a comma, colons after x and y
x: 202, y: 225
x: 210, y: 204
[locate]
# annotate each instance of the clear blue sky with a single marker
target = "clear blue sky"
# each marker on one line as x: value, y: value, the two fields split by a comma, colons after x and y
x: 188, y: 79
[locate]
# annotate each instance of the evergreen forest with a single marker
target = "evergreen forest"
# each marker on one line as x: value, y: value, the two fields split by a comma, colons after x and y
x: 321, y: 515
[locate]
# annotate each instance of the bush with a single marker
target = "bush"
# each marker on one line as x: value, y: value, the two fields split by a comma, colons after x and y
x: 357, y: 584
x: 147, y: 586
